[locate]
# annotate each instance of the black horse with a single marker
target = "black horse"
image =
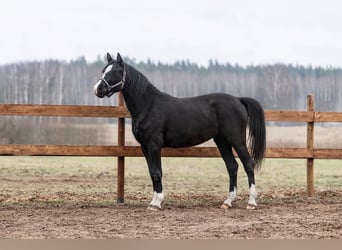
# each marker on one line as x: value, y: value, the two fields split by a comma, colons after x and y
x: 160, y: 120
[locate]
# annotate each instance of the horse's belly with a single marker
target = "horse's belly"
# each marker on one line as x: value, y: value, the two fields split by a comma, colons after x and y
x: 173, y: 143
x: 188, y: 137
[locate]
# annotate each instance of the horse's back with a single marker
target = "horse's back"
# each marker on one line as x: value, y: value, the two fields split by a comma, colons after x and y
x: 225, y: 107
x: 190, y: 121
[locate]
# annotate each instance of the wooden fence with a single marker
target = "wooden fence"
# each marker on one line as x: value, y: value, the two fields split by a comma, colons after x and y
x: 121, y: 151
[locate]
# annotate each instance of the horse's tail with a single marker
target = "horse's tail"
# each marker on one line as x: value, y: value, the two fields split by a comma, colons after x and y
x: 257, y: 129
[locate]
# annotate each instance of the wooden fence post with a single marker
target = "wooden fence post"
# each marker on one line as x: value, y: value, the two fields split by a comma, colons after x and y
x: 121, y: 159
x: 310, y: 146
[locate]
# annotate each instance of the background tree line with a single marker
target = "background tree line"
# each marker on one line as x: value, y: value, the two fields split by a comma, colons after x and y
x: 277, y: 86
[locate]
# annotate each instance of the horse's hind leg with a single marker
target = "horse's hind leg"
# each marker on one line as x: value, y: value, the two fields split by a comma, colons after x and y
x: 248, y: 164
x: 232, y: 166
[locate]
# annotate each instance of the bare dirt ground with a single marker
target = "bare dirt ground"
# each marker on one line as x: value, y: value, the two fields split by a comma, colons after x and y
x: 70, y: 198
x: 285, y: 216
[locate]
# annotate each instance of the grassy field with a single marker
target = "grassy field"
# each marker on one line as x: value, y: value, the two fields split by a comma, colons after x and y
x: 94, y: 179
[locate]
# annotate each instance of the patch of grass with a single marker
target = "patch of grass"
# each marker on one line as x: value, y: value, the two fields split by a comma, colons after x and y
x: 186, y: 175
x: 56, y: 166
x: 93, y: 179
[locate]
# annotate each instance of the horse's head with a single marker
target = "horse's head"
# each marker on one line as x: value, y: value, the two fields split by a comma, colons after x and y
x: 113, y: 78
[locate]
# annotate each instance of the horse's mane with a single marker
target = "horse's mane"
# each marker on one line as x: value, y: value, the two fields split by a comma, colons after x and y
x: 138, y: 83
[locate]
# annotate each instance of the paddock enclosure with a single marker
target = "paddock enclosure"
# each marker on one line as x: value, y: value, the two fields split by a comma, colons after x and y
x: 288, y: 214
x: 121, y: 151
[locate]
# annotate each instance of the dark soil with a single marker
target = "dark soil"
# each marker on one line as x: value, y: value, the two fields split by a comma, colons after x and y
x: 285, y: 216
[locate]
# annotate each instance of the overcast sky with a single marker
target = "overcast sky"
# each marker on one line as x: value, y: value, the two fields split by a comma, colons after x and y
x: 236, y: 31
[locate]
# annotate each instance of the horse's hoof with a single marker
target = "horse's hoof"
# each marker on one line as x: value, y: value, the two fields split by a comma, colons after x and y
x: 225, y: 206
x: 153, y: 208
x: 251, y: 207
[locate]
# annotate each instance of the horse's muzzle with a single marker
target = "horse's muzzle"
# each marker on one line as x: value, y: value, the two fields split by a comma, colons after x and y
x: 97, y: 90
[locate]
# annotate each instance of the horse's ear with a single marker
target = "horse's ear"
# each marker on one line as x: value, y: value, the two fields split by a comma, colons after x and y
x: 119, y: 59
x: 109, y: 58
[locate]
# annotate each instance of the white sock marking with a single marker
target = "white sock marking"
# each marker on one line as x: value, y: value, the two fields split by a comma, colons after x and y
x: 157, y: 200
x: 153, y: 198
x: 252, y: 196
x: 231, y: 198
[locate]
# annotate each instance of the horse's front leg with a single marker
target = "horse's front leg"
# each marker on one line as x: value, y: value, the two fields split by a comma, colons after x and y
x: 153, y: 158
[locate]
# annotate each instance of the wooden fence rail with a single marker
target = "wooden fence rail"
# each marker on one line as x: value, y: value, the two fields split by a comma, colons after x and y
x: 121, y: 151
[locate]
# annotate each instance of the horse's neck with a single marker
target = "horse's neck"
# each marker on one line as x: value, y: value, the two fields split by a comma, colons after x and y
x: 138, y: 92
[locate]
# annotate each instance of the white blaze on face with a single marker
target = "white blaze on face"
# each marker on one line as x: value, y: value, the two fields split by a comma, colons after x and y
x: 109, y: 68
